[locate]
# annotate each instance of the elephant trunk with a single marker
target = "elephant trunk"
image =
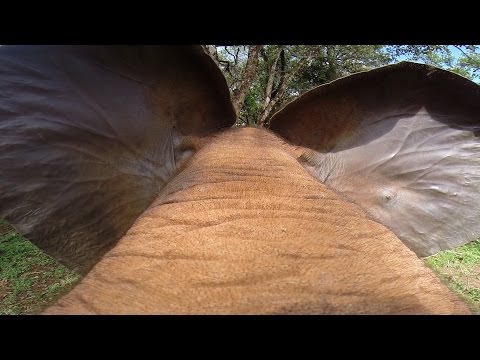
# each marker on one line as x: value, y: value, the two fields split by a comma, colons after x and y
x: 246, y: 230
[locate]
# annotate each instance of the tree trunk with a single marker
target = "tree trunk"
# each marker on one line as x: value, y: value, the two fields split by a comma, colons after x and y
x: 281, y: 92
x: 212, y: 51
x: 271, y: 80
x: 238, y: 96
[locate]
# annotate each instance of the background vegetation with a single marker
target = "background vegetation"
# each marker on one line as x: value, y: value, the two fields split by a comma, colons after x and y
x: 29, y: 279
x: 262, y: 78
x: 460, y: 269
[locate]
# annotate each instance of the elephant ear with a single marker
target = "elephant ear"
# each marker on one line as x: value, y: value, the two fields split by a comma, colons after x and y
x: 401, y: 141
x: 90, y: 134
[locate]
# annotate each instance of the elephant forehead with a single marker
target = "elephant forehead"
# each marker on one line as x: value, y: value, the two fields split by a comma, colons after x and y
x: 240, y: 163
x: 250, y: 143
x: 246, y: 154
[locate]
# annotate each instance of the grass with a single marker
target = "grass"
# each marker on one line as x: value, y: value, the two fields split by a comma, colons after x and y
x: 31, y: 280
x: 460, y: 270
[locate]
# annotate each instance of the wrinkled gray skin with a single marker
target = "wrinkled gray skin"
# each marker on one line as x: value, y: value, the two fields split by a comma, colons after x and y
x: 403, y: 142
x: 89, y: 135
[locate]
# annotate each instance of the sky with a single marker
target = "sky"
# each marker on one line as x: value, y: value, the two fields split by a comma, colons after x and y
x: 456, y: 53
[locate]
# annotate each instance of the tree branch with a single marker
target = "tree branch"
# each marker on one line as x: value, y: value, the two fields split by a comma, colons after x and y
x: 264, y: 56
x: 271, y: 77
x: 236, y: 56
x: 238, y: 96
x: 228, y: 52
x: 282, y: 73
x: 281, y: 92
x: 211, y: 50
x: 464, y: 53
x: 227, y: 66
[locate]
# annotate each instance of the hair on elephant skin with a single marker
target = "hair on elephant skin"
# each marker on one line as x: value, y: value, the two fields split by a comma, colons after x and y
x: 122, y: 163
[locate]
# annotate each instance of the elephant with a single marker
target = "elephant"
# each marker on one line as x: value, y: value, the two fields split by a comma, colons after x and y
x: 123, y: 163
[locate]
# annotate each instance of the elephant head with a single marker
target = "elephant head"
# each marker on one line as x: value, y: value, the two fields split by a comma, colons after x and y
x: 120, y: 161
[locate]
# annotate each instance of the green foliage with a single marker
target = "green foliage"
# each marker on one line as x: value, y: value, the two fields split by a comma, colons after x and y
x: 465, y: 61
x: 252, y: 106
x: 313, y: 65
x: 469, y: 64
x: 29, y: 279
x: 309, y: 65
x: 466, y: 255
x: 460, y: 268
x: 333, y: 61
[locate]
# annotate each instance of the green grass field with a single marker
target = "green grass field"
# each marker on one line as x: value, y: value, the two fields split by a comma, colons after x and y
x: 30, y: 280
x: 459, y: 268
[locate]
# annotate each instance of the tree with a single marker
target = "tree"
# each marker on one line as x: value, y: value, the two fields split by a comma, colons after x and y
x: 262, y: 78
x: 465, y: 62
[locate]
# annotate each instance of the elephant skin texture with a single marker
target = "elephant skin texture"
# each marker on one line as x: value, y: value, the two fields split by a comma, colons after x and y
x: 121, y: 162
x: 245, y: 229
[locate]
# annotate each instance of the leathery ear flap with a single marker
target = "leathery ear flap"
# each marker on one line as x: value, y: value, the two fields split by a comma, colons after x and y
x: 88, y: 137
x: 402, y: 141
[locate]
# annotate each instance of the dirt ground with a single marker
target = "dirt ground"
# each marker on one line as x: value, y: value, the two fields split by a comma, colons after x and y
x: 4, y: 289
